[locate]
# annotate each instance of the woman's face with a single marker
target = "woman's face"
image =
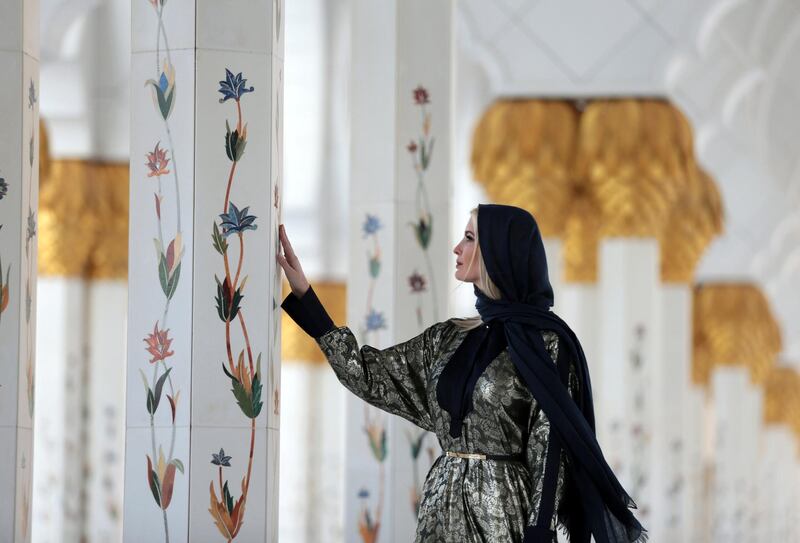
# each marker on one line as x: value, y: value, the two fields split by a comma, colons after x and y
x: 467, y: 252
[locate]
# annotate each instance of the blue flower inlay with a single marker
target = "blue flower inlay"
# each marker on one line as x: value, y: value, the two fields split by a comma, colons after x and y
x: 220, y: 459
x: 234, y: 86
x: 236, y: 220
x: 375, y: 321
x: 371, y: 225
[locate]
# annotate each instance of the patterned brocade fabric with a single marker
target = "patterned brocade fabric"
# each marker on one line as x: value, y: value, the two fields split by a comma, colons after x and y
x: 464, y: 500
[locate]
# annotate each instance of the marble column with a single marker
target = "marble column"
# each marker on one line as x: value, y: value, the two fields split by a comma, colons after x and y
x: 59, y: 482
x: 642, y: 190
x: 630, y: 322
x: 793, y: 511
x: 678, y: 472
x: 737, y: 415
x: 83, y: 232
x: 674, y: 414
x: 576, y: 301
x: 401, y: 101
x: 775, y: 507
x: 82, y: 263
x: 736, y: 340
x: 19, y: 182
x: 694, y: 505
x: 203, y: 377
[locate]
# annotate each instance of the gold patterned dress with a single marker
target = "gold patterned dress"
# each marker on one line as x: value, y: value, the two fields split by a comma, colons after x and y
x: 464, y: 500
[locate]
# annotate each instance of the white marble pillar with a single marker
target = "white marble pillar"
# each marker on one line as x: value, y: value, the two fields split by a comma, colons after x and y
x: 694, y: 510
x: 80, y: 419
x: 107, y: 304
x: 555, y: 265
x: 750, y: 431
x: 203, y: 396
x: 59, y: 481
x: 704, y: 524
x: 311, y: 476
x: 672, y: 413
x: 726, y: 385
x: 775, y: 475
x: 80, y: 428
x: 629, y: 319
x: 401, y: 101
x: 736, y: 415
x: 793, y: 511
x: 19, y: 181
x: 576, y: 302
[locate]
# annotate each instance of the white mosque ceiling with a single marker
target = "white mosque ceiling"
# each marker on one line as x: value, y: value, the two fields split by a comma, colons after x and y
x: 564, y: 47
x: 733, y: 66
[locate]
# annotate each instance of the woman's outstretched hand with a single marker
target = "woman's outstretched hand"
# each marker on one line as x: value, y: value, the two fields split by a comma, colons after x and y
x: 291, y: 265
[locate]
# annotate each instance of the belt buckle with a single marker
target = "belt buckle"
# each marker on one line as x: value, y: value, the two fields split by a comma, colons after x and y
x: 470, y: 456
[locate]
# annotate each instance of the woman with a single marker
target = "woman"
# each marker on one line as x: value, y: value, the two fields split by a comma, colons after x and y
x: 507, y: 393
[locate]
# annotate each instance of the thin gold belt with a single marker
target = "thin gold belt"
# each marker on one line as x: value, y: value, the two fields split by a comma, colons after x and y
x: 519, y: 457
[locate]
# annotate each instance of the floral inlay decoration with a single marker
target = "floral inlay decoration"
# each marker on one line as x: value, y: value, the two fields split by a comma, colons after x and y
x: 242, y: 368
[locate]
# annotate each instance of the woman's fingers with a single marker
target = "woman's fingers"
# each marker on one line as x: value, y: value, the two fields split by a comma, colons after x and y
x: 288, y: 260
x: 291, y: 265
x: 287, y: 246
x: 287, y: 249
x: 287, y: 266
x: 282, y: 262
x: 291, y: 273
x: 281, y: 236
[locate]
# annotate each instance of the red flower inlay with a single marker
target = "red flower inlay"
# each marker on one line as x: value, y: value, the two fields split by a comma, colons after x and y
x: 157, y: 161
x: 416, y: 282
x: 158, y: 344
x: 421, y: 96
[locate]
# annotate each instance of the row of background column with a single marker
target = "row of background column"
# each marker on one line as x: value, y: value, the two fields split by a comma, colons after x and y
x: 401, y: 97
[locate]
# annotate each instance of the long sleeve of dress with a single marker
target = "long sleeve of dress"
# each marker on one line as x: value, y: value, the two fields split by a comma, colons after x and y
x: 308, y: 312
x: 536, y: 457
x: 393, y: 379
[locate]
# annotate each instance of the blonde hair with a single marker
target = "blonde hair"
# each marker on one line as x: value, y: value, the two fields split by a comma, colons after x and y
x: 484, y: 282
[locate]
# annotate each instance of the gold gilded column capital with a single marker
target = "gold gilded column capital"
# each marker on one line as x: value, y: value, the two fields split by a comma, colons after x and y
x: 296, y: 345
x: 694, y: 221
x: 733, y: 325
x: 637, y: 156
x: 582, y: 238
x: 782, y: 397
x: 83, y: 216
x: 83, y: 219
x: 603, y: 168
x: 522, y: 153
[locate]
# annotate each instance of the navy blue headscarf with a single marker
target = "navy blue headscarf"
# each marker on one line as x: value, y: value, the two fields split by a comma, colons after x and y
x: 594, y: 502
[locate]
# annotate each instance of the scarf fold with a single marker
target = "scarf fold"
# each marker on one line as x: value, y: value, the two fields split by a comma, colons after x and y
x: 594, y: 502
x: 457, y: 380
